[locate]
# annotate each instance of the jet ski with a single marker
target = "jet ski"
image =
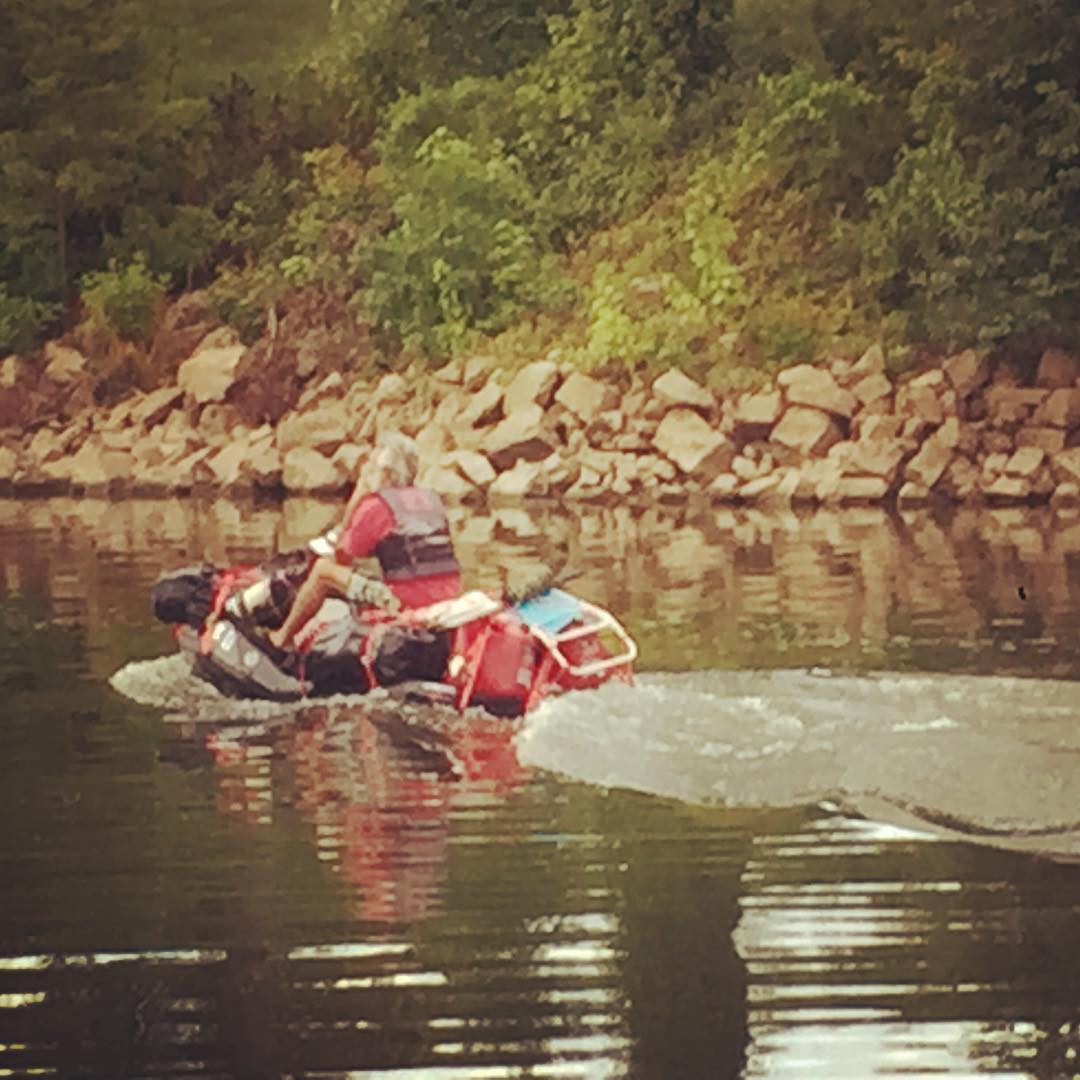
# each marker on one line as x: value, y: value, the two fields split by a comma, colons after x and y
x: 503, y: 654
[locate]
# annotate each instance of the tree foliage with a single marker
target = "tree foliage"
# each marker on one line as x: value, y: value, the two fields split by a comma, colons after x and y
x: 794, y: 172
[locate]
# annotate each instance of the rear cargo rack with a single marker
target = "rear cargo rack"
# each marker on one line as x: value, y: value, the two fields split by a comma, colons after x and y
x: 591, y: 621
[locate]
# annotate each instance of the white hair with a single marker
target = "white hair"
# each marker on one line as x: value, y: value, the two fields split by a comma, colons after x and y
x: 396, y: 459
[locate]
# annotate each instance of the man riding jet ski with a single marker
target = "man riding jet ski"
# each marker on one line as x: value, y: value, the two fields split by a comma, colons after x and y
x: 308, y: 623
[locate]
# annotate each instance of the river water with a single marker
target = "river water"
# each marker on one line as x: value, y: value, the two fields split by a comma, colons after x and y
x: 834, y: 831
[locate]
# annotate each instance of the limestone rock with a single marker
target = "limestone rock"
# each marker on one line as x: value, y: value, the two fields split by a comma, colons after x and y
x: 872, y: 362
x: 1011, y: 405
x: 1065, y: 494
x: 306, y: 470
x: 226, y: 468
x: 859, y: 489
x: 875, y: 457
x: 677, y: 390
x: 155, y: 406
x: 392, y: 389
x: 815, y: 387
x: 476, y: 372
x: 348, y: 458
x: 525, y: 478
x: 872, y: 388
x: 684, y: 438
x: 46, y: 445
x: 806, y: 430
x: 1050, y: 439
x: 927, y: 466
x: 585, y: 396
x: 534, y: 384
x: 912, y: 494
x: 449, y: 483
x: 264, y: 465
x: 63, y: 364
x: 484, y: 408
x: 1066, y: 464
x: 323, y: 429
x: 755, y: 414
x: 1060, y: 408
x: 1009, y: 488
x: 961, y: 479
x: 756, y: 489
x: 474, y: 466
x: 1057, y: 369
x: 210, y: 373
x: 966, y: 371
x: 331, y: 387
x: 453, y: 373
x: 8, y: 463
x: 520, y: 436
x: 723, y: 486
x: 1025, y: 461
x: 919, y: 401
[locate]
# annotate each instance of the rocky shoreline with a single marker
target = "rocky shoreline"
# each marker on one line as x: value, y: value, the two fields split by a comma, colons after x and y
x: 968, y: 430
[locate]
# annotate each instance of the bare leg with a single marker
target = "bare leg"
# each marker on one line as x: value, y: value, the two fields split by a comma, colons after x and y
x: 326, y: 578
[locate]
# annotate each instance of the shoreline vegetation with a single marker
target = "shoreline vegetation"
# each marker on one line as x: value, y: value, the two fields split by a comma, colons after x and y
x: 756, y: 252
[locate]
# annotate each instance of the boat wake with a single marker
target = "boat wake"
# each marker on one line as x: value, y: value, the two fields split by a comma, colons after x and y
x: 983, y: 758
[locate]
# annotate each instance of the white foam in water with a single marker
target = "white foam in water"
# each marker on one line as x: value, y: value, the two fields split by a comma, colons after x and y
x: 981, y: 757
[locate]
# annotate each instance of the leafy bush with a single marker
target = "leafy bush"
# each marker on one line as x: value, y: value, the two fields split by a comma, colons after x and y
x: 460, y: 257
x: 644, y: 319
x: 767, y: 225
x: 126, y: 299
x: 23, y: 321
x: 289, y: 232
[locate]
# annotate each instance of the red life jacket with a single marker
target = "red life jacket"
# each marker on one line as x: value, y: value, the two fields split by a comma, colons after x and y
x: 419, y: 545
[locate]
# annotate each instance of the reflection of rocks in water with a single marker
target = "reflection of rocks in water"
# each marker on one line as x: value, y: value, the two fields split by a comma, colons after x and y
x: 700, y: 586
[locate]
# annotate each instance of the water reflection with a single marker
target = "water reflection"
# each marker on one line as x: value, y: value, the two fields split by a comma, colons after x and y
x: 913, y: 960
x: 987, y: 590
x: 328, y: 895
x: 379, y: 788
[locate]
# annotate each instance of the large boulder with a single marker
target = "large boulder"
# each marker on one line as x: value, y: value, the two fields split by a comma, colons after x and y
x: 1057, y: 369
x: 184, y: 324
x: 525, y: 478
x: 755, y: 414
x: 871, y: 388
x: 585, y: 396
x: 534, y: 384
x: 966, y: 372
x: 816, y: 388
x: 64, y: 365
x: 521, y: 436
x: 1008, y: 406
x: 484, y: 408
x: 685, y: 439
x: 807, y: 431
x: 1025, y: 461
x: 1060, y: 408
x: 875, y: 457
x: 449, y: 483
x: 153, y: 408
x: 211, y: 372
x: 677, y: 390
x: 306, y: 470
x: 474, y: 466
x: 324, y: 428
x: 927, y: 466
